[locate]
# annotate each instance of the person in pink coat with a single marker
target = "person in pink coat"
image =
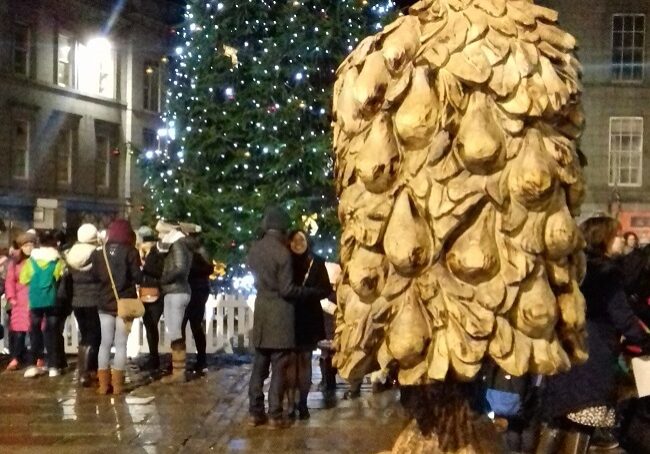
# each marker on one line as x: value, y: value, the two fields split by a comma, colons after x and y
x: 18, y: 298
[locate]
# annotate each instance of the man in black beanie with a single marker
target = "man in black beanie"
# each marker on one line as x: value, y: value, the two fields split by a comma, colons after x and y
x: 273, y: 337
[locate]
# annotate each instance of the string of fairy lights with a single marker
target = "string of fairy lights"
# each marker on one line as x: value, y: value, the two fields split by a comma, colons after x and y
x: 247, y: 102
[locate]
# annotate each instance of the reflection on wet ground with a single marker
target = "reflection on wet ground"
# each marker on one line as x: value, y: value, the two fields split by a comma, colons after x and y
x: 52, y: 415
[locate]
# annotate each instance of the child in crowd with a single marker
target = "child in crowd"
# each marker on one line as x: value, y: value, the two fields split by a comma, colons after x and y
x: 41, y: 273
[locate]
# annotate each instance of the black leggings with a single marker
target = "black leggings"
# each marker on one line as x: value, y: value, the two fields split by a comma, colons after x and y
x: 91, y: 332
x: 18, y: 345
x: 195, y: 314
x: 151, y: 318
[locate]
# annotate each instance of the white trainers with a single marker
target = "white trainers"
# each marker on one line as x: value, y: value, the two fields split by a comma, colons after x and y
x: 34, y: 371
x: 53, y: 372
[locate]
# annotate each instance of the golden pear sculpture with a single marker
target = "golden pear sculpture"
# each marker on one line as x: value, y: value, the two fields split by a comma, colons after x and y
x: 458, y: 175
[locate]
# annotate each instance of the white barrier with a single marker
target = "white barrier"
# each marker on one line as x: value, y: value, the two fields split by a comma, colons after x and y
x: 228, y: 322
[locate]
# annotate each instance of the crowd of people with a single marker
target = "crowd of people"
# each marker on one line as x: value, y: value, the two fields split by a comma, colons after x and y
x: 106, y: 279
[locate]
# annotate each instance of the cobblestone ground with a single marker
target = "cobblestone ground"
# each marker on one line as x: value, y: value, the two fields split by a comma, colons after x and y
x: 52, y: 415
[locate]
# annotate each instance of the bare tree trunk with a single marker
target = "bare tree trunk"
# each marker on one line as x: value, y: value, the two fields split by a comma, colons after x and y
x: 444, y: 423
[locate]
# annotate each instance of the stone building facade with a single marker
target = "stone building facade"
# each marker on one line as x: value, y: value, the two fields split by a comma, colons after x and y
x: 80, y: 91
x: 614, y: 49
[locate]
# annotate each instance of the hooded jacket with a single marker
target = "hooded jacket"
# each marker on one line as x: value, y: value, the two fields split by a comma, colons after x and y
x: 85, y: 287
x: 176, y: 268
x: 42, y: 257
x: 124, y: 261
x: 18, y: 296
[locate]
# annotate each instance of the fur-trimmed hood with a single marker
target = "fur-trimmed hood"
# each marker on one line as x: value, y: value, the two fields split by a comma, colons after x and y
x: 78, y: 257
x: 45, y: 254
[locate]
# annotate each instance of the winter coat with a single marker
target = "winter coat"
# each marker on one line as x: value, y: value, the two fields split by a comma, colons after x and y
x: 200, y: 271
x: 18, y: 296
x: 152, y: 268
x: 310, y: 323
x: 608, y: 317
x: 176, y: 268
x: 85, y: 288
x: 274, y: 316
x: 635, y: 269
x: 42, y: 257
x: 125, y: 266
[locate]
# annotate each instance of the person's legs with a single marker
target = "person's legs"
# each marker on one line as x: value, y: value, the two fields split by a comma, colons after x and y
x: 259, y: 373
x: 107, y: 323
x: 119, y: 362
x: 151, y: 318
x: 195, y: 314
x: 304, y: 381
x: 19, y: 339
x: 54, y: 343
x: 279, y: 361
x: 36, y: 335
x: 175, y: 305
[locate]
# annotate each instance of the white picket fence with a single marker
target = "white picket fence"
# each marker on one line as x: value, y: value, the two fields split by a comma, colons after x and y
x: 228, y: 322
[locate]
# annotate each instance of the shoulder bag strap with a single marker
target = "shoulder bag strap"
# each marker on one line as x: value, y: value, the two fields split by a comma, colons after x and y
x: 110, y: 274
x: 304, y: 281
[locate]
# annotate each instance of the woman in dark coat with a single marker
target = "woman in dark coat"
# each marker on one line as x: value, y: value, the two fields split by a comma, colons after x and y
x: 308, y: 270
x: 583, y: 399
x: 121, y: 255
x: 152, y: 269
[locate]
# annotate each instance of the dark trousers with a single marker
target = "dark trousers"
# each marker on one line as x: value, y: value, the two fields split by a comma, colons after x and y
x: 49, y: 339
x: 195, y: 314
x: 151, y: 318
x: 278, y: 360
x: 303, y: 369
x: 91, y: 332
x: 18, y: 345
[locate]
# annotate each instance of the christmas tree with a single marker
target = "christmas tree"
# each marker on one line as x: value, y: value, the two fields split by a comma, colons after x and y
x: 248, y: 114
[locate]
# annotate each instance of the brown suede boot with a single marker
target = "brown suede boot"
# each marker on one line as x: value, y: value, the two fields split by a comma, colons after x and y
x: 104, y: 377
x: 117, y: 380
x: 178, y: 364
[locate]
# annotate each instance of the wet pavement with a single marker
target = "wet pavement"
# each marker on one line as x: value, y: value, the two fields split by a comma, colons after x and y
x: 208, y: 414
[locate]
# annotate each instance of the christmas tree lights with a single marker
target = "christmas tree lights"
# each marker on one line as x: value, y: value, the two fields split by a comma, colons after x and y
x: 247, y: 118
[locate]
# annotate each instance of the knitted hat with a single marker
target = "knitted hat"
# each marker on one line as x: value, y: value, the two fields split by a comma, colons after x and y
x: 25, y: 238
x: 190, y: 229
x: 120, y: 231
x: 87, y: 233
x: 275, y: 218
x: 165, y: 227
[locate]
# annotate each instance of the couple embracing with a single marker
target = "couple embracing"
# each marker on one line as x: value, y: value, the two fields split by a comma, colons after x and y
x: 288, y: 320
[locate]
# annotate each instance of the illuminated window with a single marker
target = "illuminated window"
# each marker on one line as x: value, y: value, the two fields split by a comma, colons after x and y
x: 625, y: 151
x: 63, y: 149
x: 628, y: 36
x: 96, y: 67
x: 20, y: 150
x: 151, y: 89
x: 21, y: 49
x: 103, y: 161
x: 64, y: 68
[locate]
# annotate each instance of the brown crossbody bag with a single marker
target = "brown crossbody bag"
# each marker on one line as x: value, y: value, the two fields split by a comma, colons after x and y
x: 127, y: 308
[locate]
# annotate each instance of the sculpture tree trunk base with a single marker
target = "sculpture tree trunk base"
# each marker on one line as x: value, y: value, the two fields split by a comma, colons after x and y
x: 444, y: 422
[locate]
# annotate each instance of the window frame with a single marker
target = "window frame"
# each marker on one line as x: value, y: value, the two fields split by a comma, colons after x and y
x: 27, y: 50
x: 106, y: 184
x: 72, y: 79
x: 614, y: 172
x: 14, y: 148
x: 65, y: 133
x: 147, y: 89
x: 620, y: 65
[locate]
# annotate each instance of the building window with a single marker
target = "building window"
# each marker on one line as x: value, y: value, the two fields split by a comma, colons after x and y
x: 625, y: 151
x: 628, y: 36
x: 149, y: 140
x: 21, y: 49
x: 64, y: 147
x: 151, y: 90
x: 65, y: 61
x: 103, y: 161
x: 20, y: 150
x: 96, y: 67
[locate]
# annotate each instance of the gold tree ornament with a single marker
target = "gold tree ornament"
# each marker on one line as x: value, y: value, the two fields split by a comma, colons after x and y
x: 458, y: 175
x: 231, y: 53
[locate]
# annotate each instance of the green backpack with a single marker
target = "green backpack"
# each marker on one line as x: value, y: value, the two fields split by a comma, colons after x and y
x: 42, y: 287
